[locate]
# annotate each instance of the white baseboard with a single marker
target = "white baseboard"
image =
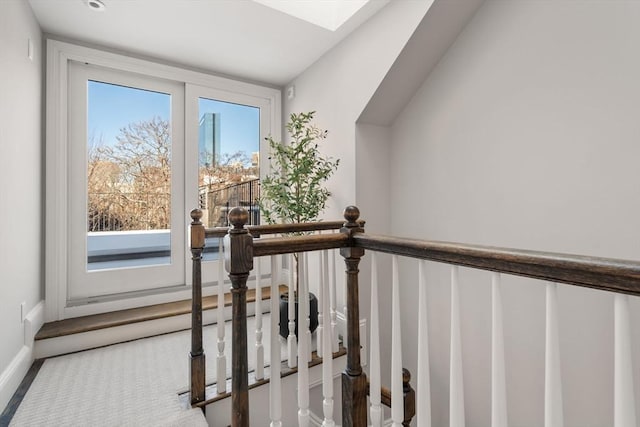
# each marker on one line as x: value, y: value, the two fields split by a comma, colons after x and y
x: 11, y: 378
x: 32, y: 323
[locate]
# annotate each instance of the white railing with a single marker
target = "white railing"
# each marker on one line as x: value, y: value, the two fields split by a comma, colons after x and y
x: 624, y: 394
x: 221, y: 360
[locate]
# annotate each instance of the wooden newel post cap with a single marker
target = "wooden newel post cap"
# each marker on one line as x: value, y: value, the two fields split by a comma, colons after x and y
x: 351, y: 214
x: 406, y: 376
x: 196, y: 214
x: 238, y: 217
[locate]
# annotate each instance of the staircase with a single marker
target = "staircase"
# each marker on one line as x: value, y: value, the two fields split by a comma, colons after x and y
x: 53, y: 337
x: 86, y: 332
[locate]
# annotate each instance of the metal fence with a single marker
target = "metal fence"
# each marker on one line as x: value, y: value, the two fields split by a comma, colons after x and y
x: 128, y: 211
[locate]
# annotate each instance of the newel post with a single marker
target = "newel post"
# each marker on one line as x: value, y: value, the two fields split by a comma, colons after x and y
x: 354, y: 381
x: 196, y: 356
x: 239, y: 262
x: 409, y: 398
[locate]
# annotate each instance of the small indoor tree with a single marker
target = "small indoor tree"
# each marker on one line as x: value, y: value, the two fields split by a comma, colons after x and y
x: 294, y: 191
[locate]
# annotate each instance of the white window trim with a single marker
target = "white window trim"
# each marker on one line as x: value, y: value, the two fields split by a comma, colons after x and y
x: 56, y: 201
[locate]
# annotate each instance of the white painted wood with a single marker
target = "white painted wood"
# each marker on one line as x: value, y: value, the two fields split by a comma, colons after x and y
x: 624, y: 414
x: 423, y: 391
x: 307, y: 329
x: 456, y: 383
x: 83, y: 283
x: 259, y: 371
x: 219, y: 413
x: 345, y: 297
x: 59, y: 56
x: 553, y: 412
x: 374, y: 349
x: 324, y: 273
x: 18, y: 367
x: 326, y: 349
x: 332, y: 297
x: 303, y: 344
x: 13, y: 374
x: 275, y: 382
x: 397, y: 404
x: 33, y: 321
x: 498, y: 378
x: 292, y: 349
x: 221, y: 359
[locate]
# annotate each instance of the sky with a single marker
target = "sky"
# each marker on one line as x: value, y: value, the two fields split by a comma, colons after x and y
x: 112, y: 107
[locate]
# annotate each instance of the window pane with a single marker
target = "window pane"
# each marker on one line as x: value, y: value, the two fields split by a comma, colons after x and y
x: 229, y: 163
x: 128, y: 176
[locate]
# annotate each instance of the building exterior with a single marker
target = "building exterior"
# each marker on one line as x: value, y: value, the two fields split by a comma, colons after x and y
x: 209, y: 138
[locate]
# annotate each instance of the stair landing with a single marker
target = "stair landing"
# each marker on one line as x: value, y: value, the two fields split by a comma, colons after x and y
x: 82, y: 333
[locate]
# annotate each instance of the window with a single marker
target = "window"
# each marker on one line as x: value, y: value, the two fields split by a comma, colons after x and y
x: 132, y: 147
x: 126, y: 174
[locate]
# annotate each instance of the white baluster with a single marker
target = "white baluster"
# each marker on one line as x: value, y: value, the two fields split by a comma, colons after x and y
x: 553, y: 413
x: 303, y: 346
x: 259, y: 372
x: 292, y: 350
x: 423, y: 392
x: 221, y: 360
x: 498, y: 379
x: 624, y: 414
x: 345, y: 291
x: 374, y: 349
x: 327, y: 356
x: 275, y: 383
x: 456, y: 386
x: 397, y: 395
x: 332, y: 297
x: 324, y: 272
x: 307, y: 329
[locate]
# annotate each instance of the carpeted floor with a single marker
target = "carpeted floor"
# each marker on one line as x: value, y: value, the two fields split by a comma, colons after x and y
x: 130, y: 384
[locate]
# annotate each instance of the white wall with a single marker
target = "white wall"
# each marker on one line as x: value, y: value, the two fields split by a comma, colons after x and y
x: 526, y: 135
x: 339, y: 85
x: 20, y: 177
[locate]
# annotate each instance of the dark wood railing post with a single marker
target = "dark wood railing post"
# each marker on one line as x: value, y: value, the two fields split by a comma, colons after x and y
x: 409, y: 398
x: 196, y: 356
x: 239, y: 262
x: 354, y: 381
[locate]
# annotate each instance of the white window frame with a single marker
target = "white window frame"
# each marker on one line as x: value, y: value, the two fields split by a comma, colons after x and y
x: 57, y: 195
x: 192, y: 95
x: 83, y: 285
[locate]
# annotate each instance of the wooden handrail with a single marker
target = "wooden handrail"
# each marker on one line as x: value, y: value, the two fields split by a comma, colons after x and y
x: 598, y: 273
x: 295, y: 244
x: 258, y: 230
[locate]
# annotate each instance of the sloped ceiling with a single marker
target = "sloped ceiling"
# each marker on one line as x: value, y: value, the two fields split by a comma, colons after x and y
x: 434, y: 35
x: 239, y: 38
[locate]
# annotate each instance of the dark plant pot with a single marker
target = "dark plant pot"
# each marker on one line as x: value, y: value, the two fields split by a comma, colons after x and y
x: 284, y: 314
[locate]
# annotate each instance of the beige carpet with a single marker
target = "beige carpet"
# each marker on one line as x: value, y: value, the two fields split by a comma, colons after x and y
x: 129, y: 384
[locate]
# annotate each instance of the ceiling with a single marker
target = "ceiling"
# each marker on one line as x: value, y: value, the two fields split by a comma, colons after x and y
x: 239, y: 38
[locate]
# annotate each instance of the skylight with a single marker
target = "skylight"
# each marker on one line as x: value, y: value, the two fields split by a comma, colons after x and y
x: 328, y: 14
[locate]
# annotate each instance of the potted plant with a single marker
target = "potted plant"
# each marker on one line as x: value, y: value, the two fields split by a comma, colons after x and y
x: 294, y: 191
